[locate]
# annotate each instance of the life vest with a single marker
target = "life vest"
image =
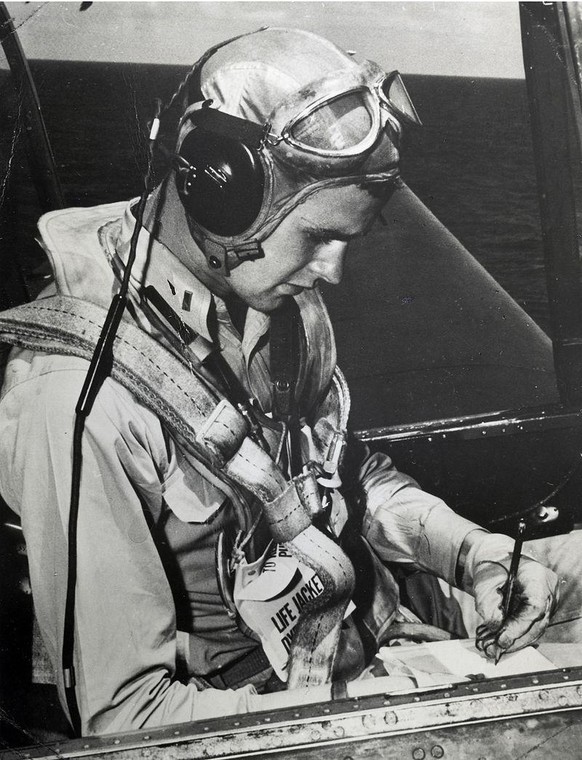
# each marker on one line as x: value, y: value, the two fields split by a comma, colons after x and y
x: 210, y: 428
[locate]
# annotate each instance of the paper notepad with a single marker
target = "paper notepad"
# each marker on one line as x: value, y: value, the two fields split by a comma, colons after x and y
x: 457, y: 660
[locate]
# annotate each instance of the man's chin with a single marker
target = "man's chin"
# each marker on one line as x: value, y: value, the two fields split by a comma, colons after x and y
x: 270, y: 303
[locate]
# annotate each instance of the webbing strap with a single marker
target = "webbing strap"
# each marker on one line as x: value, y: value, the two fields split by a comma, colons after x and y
x: 285, y: 350
x: 316, y: 637
x: 284, y: 358
x: 70, y: 326
x: 211, y: 429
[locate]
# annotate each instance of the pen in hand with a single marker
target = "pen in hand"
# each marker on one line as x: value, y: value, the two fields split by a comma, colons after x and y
x: 511, y: 578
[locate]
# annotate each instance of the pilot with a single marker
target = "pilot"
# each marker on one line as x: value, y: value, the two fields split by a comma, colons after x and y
x: 232, y: 540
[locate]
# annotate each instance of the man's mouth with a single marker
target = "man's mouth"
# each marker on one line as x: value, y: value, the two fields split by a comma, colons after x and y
x: 290, y: 289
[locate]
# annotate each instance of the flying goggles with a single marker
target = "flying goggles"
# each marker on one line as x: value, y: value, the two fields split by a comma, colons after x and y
x: 341, y: 117
x: 343, y: 128
x: 346, y: 118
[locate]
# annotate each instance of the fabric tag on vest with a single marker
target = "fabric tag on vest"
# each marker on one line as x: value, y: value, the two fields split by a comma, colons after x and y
x: 269, y: 594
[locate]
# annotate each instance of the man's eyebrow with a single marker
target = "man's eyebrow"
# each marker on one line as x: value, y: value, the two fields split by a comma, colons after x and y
x: 331, y: 232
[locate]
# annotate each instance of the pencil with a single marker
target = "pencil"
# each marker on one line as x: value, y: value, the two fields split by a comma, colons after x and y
x: 512, y: 575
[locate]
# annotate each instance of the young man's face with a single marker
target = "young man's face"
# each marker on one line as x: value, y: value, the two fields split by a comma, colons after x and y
x: 308, y: 246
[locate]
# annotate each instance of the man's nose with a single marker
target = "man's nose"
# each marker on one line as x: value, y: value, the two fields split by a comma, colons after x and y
x: 328, y: 265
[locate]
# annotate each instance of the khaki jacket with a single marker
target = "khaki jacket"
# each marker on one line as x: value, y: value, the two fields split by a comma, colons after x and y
x: 152, y: 511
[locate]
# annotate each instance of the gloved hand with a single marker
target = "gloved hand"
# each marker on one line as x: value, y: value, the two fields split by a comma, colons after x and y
x: 534, y: 598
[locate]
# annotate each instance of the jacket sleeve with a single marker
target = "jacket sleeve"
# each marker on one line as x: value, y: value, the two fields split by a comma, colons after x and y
x: 125, y: 636
x: 407, y: 525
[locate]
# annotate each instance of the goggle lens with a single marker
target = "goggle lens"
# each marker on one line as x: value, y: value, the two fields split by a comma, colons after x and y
x: 396, y: 96
x: 338, y: 124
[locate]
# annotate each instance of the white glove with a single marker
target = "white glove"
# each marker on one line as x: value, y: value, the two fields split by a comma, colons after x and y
x: 534, y: 598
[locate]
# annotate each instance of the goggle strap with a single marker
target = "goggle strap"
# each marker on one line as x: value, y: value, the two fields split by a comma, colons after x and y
x: 226, y: 125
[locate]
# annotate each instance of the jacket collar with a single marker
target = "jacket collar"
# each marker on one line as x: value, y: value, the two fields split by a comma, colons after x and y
x: 87, y: 246
x: 193, y: 302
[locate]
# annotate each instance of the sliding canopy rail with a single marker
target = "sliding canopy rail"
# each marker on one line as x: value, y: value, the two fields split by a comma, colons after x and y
x: 552, y: 38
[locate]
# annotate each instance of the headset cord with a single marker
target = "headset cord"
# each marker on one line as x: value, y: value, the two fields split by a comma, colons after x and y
x: 99, y: 369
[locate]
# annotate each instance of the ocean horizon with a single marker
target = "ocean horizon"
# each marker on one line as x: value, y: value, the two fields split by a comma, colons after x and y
x: 471, y: 162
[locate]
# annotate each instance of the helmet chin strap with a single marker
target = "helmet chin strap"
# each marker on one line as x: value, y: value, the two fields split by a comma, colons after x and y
x: 224, y: 260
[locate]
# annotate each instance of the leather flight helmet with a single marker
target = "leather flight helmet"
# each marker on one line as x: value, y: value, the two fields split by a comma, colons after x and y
x: 273, y: 117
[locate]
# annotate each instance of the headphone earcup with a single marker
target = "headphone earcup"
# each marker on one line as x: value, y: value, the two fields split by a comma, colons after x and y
x: 223, y: 192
